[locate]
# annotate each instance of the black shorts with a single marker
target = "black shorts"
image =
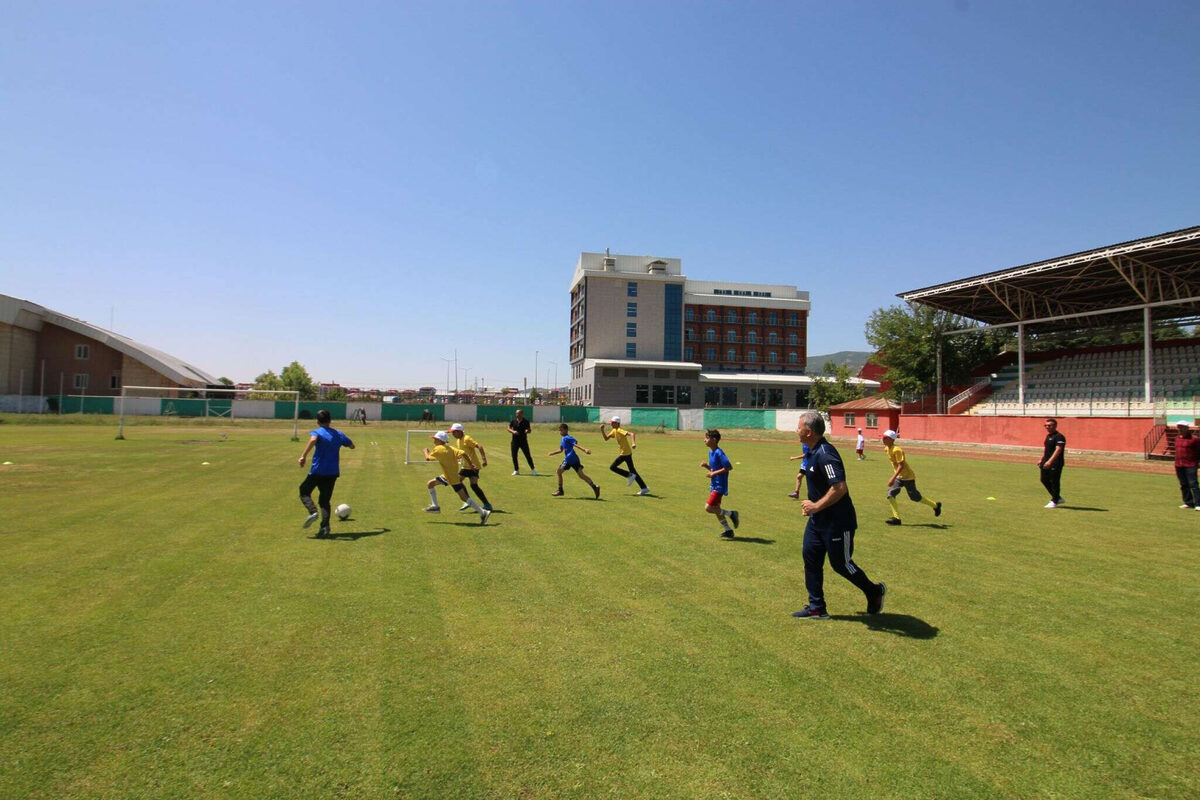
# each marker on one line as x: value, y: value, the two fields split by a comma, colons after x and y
x: 468, y: 473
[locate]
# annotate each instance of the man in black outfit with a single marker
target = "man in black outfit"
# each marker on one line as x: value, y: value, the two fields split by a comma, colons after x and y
x: 519, y: 427
x: 1054, y: 453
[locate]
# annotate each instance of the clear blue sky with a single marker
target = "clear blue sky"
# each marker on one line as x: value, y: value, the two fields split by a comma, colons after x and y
x: 366, y: 186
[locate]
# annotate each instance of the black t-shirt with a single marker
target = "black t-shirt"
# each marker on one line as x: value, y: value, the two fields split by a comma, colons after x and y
x: 521, y: 426
x: 1053, y: 442
x: 823, y: 469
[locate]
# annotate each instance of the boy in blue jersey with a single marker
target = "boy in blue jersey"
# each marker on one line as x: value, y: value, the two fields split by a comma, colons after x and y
x: 718, y: 466
x: 795, y: 494
x: 571, y: 461
x: 327, y: 442
x: 831, y: 523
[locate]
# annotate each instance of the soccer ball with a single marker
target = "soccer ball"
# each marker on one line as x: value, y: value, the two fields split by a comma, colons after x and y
x: 342, y: 511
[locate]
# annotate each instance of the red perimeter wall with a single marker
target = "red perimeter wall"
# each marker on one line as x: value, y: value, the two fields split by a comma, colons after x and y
x: 1111, y: 434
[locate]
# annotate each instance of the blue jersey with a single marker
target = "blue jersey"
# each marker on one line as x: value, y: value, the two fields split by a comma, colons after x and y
x: 824, y: 470
x: 718, y: 460
x: 804, y: 461
x: 568, y: 448
x: 325, y: 456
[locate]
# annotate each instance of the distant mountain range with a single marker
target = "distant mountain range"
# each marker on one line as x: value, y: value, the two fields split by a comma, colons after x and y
x: 854, y: 359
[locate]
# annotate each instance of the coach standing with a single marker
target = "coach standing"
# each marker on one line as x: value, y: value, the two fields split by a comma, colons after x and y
x: 831, y: 524
x: 520, y: 428
x: 1187, y: 456
x: 1054, y: 453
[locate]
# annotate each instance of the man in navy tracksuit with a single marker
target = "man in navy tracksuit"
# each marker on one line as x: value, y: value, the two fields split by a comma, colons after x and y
x: 831, y: 523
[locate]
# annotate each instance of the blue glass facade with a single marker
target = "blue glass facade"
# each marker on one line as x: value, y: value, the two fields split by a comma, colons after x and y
x: 673, y: 322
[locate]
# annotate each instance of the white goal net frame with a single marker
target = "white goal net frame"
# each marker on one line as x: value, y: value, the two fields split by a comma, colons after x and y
x: 204, y: 395
x: 419, y: 457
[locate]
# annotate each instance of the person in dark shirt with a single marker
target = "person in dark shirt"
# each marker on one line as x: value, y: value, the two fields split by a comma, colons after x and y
x: 520, y: 428
x: 326, y: 441
x: 1054, y: 453
x: 1187, y: 456
x: 831, y: 523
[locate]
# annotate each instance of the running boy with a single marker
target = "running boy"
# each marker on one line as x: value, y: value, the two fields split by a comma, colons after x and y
x: 475, y: 460
x: 800, y: 475
x: 902, y: 478
x: 327, y: 441
x: 718, y: 466
x: 448, y: 456
x: 626, y: 443
x: 571, y: 461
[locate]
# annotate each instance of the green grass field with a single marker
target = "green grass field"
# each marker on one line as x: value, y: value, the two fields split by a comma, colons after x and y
x: 169, y: 631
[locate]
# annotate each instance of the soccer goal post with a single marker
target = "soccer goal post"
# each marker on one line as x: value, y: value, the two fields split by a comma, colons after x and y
x: 216, y: 402
x: 416, y: 456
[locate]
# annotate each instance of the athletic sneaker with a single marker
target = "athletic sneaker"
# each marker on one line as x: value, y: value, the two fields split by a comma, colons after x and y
x: 727, y: 534
x: 559, y: 493
x: 311, y: 519
x: 323, y: 531
x: 465, y: 507
x: 794, y: 495
x: 891, y: 521
x: 644, y: 491
x: 483, y: 516
x: 733, y: 517
x: 533, y: 472
x: 1185, y: 505
x: 432, y: 509
x: 811, y: 612
x: 518, y: 472
x: 1051, y: 504
x: 487, y: 506
x: 596, y: 489
x: 876, y: 605
x: 629, y: 481
x: 937, y: 510
x: 1059, y: 501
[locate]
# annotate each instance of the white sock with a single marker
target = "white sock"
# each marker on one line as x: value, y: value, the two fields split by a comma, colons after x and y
x: 433, y: 495
x: 469, y: 501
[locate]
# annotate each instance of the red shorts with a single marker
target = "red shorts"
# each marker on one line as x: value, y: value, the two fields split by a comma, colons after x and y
x: 714, y: 499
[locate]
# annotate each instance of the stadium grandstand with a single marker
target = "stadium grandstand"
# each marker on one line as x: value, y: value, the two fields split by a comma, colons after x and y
x: 1134, y: 391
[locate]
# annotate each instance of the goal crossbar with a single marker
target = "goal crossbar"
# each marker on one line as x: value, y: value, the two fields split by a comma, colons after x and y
x: 203, y: 394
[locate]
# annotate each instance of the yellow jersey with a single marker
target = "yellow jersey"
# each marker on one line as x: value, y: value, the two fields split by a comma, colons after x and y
x: 622, y: 437
x: 470, y: 449
x: 447, y: 456
x: 896, y: 456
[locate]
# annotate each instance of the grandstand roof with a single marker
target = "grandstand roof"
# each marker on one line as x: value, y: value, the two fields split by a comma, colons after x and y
x: 1105, y: 286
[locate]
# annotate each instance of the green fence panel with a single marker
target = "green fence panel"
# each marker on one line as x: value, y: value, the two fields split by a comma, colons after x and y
x: 309, y: 409
x: 571, y: 414
x: 653, y: 417
x: 762, y: 418
x: 411, y: 413
x: 501, y: 413
x: 86, y: 405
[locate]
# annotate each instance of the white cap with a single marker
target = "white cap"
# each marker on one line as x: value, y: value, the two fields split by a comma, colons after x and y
x: 441, y: 436
x: 456, y: 426
x: 890, y: 434
x: 616, y: 419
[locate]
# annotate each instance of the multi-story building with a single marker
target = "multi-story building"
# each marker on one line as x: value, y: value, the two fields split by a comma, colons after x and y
x: 644, y: 334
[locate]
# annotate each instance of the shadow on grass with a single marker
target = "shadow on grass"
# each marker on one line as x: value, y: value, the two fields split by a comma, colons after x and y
x: 937, y: 526
x: 899, y: 624
x: 351, y: 535
x: 1085, y: 508
x: 473, y: 522
x: 748, y: 539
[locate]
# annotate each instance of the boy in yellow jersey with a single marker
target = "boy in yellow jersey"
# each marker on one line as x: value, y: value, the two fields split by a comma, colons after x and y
x: 902, y: 478
x: 626, y: 443
x: 475, y: 460
x: 448, y: 456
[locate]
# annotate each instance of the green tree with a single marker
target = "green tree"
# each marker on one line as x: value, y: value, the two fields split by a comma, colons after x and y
x: 296, y: 378
x: 906, y: 340
x: 833, y: 387
x: 225, y: 381
x: 336, y: 395
x: 266, y: 381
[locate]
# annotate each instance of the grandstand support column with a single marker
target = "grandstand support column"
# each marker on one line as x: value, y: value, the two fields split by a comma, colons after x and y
x: 941, y: 408
x: 1147, y: 351
x: 1021, y: 365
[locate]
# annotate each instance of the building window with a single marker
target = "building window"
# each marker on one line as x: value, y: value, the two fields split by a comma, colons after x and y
x: 772, y: 338
x: 689, y: 314
x: 710, y: 315
x: 631, y: 329
x: 848, y: 419
x: 689, y: 353
x: 683, y: 395
x: 710, y: 334
x: 731, y: 354
x: 802, y: 398
x: 872, y: 420
x: 729, y: 396
x: 793, y: 319
x: 752, y: 317
x: 82, y: 352
x: 610, y: 372
x: 631, y: 309
x: 773, y: 356
x: 81, y: 380
x: 752, y: 337
x: 689, y: 334
x: 663, y: 395
x: 752, y: 355
x: 793, y: 338
x: 731, y: 336
x: 792, y: 357
x: 632, y: 290
x: 631, y: 350
x: 710, y: 354
x: 114, y: 382
x: 772, y: 318
x: 731, y: 316
x: 641, y: 393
